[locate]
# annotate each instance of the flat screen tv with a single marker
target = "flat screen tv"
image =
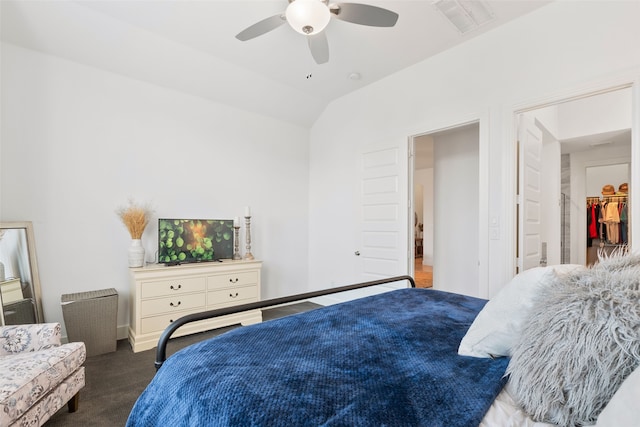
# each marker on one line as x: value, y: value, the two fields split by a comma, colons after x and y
x: 194, y: 240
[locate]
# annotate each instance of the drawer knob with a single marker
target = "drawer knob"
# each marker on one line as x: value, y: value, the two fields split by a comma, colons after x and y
x: 233, y: 280
x: 175, y: 288
x: 233, y: 296
x: 175, y: 305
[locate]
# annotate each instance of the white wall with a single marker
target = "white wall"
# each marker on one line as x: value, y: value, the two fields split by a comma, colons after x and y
x: 78, y: 142
x: 599, y: 176
x: 593, y: 115
x: 547, y: 117
x: 543, y: 54
x: 455, y: 212
x: 425, y: 178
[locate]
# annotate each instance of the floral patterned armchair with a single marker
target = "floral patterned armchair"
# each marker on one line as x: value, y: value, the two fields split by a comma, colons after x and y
x: 38, y: 374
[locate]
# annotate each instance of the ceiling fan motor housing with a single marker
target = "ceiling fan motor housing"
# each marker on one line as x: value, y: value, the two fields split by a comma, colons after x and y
x: 308, y: 16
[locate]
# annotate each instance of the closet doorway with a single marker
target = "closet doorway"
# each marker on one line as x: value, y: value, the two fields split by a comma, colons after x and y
x: 576, y: 136
x: 446, y: 208
x: 607, y: 211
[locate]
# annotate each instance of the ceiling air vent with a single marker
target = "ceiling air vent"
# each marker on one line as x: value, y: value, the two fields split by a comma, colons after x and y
x: 465, y: 15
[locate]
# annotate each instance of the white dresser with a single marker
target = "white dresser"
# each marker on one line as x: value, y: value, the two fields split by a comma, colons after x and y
x: 160, y: 295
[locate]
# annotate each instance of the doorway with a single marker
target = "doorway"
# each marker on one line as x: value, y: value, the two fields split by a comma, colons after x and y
x: 446, y: 169
x: 603, y: 235
x: 423, y: 202
x: 576, y: 134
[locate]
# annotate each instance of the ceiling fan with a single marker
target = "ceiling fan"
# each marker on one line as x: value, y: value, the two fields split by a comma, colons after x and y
x: 310, y: 17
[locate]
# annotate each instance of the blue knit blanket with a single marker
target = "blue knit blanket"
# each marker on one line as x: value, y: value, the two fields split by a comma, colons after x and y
x: 385, y: 360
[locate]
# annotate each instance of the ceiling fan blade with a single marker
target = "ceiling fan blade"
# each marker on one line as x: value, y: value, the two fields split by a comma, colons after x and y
x: 319, y: 47
x: 364, y: 14
x: 261, y: 27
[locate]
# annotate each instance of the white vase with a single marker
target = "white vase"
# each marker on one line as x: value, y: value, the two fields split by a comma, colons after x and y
x: 136, y: 253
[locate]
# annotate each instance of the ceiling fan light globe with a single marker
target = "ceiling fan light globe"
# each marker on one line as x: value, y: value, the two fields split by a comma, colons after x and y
x: 308, y: 16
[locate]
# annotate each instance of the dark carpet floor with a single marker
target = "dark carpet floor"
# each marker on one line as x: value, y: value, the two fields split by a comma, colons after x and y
x: 115, y: 380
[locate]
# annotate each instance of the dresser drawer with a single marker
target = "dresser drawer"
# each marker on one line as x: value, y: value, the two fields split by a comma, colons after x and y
x: 239, y: 278
x: 160, y: 323
x: 232, y: 296
x: 172, y: 287
x: 171, y: 304
x: 11, y: 291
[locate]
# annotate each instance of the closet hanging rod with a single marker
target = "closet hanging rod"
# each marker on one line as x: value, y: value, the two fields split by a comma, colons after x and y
x: 614, y: 198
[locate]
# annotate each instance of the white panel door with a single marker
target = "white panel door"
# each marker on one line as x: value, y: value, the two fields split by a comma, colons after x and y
x: 530, y: 180
x: 383, y: 235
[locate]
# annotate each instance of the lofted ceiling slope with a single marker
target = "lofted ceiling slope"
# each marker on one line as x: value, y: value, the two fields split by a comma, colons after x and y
x: 190, y: 46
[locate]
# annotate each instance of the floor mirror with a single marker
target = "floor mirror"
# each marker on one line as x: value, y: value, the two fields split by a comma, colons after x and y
x: 20, y: 295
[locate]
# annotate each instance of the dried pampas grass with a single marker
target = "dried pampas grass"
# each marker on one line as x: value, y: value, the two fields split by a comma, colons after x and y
x: 135, y: 217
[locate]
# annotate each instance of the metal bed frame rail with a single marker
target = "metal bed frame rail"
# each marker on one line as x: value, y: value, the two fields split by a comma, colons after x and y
x: 161, y: 351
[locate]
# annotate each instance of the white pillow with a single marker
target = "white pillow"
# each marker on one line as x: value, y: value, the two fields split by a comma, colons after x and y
x: 497, y: 327
x: 623, y: 409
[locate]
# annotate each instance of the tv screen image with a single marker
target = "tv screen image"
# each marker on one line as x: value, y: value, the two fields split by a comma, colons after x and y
x: 194, y: 240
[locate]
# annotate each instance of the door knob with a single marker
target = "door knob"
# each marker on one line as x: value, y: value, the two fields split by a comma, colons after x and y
x: 357, y: 253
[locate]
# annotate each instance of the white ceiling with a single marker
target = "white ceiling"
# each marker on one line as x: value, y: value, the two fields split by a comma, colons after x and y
x: 191, y: 46
x: 618, y: 138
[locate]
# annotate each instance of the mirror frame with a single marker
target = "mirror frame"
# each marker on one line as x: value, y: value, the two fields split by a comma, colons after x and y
x: 33, y: 263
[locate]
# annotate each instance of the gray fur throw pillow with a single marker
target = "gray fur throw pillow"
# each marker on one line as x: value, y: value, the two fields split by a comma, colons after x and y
x: 617, y: 260
x: 581, y: 341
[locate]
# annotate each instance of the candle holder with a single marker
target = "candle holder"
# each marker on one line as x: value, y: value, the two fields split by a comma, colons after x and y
x: 248, y: 255
x: 236, y: 243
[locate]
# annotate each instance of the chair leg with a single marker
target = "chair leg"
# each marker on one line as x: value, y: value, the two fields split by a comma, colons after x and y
x: 73, y: 403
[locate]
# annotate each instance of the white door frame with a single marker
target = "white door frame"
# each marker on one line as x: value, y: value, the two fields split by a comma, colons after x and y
x: 483, y: 190
x: 595, y: 88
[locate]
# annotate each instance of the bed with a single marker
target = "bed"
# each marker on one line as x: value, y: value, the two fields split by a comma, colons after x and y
x: 393, y: 359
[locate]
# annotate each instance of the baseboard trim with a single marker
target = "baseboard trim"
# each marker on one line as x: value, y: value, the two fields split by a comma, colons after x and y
x: 122, y: 332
